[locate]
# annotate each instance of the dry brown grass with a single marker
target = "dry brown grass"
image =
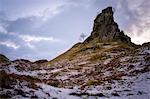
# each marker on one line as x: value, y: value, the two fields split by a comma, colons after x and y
x: 93, y: 82
x: 99, y: 57
x: 120, y: 48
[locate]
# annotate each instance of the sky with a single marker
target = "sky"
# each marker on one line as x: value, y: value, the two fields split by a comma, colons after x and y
x: 43, y: 29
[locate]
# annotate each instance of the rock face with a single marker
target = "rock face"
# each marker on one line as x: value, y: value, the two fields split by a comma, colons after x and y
x: 106, y: 29
x: 3, y: 58
x: 41, y: 61
x: 146, y: 45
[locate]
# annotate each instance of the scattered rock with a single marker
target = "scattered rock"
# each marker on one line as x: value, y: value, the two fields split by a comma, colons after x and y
x: 88, y: 94
x: 115, y: 94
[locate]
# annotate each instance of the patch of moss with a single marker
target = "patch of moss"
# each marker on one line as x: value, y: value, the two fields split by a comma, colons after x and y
x: 77, y: 67
x: 120, y: 48
x: 3, y: 58
x: 99, y: 57
x: 6, y: 81
x: 93, y: 82
x: 53, y: 82
x: 106, y: 44
x: 91, y: 46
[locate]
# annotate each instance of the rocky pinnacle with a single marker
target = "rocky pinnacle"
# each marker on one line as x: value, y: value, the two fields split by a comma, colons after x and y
x: 106, y: 29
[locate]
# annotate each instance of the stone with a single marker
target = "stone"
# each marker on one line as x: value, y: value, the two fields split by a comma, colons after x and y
x: 106, y: 29
x: 3, y: 58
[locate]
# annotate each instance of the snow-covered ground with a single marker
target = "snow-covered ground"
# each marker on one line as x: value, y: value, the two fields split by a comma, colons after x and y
x: 25, y: 82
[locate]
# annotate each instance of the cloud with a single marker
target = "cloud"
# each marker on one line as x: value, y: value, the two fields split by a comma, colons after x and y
x: 137, y: 13
x: 28, y: 8
x: 30, y: 39
x: 3, y: 30
x: 142, y: 38
x: 28, y: 15
x: 9, y: 44
x: 50, y: 12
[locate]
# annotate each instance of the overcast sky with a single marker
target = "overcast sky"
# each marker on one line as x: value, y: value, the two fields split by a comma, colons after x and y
x: 43, y: 29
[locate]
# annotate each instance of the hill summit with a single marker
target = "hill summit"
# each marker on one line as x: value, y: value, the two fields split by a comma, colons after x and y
x: 106, y: 29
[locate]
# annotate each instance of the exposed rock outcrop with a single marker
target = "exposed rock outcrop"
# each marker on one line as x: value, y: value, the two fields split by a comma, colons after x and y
x: 146, y: 45
x: 106, y: 29
x: 3, y: 58
x: 41, y: 61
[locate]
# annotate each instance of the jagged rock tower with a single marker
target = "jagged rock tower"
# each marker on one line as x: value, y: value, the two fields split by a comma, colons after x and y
x: 106, y: 29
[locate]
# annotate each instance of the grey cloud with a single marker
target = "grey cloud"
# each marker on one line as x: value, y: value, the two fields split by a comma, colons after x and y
x: 28, y: 8
x: 140, y: 20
